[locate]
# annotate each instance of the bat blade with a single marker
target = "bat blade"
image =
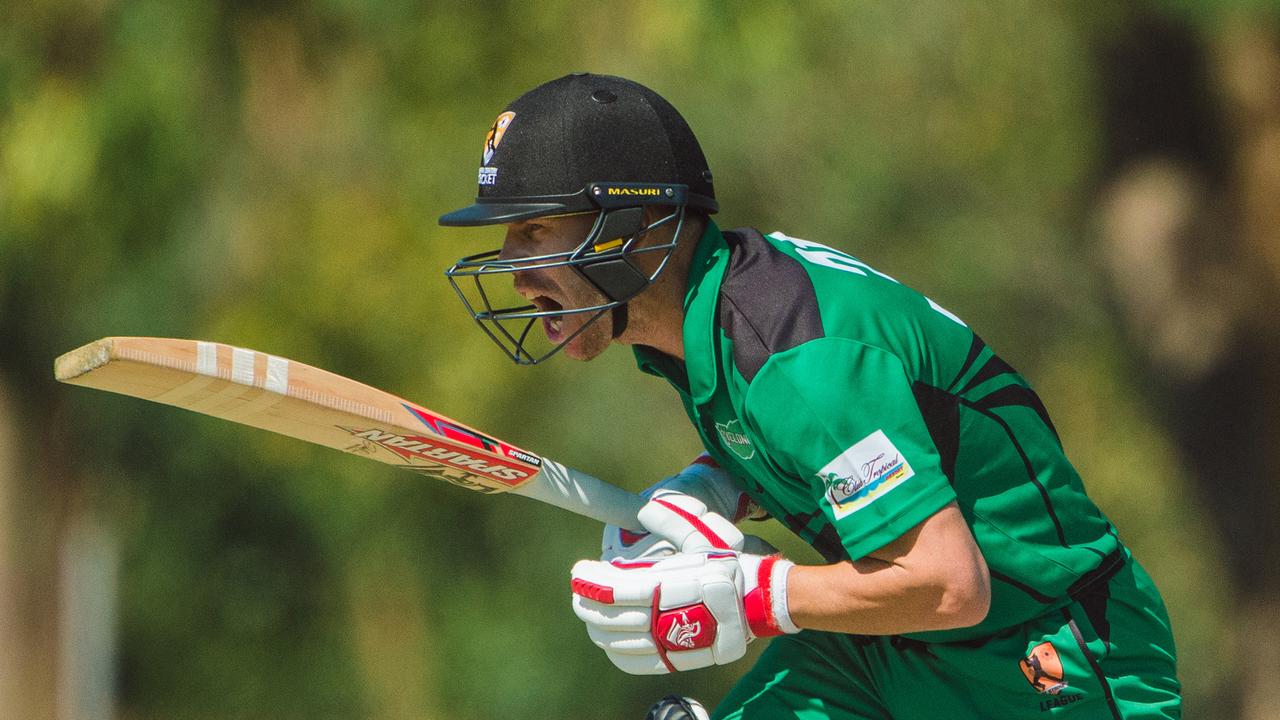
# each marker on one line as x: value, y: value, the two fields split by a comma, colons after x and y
x: 307, y: 403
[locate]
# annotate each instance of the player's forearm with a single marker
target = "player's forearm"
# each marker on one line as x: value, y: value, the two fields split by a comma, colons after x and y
x: 872, y: 597
x: 933, y: 577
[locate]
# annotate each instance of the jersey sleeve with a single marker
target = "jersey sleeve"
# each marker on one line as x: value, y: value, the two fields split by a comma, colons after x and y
x: 841, y: 417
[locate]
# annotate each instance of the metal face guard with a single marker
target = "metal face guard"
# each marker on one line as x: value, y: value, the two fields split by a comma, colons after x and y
x: 605, y: 259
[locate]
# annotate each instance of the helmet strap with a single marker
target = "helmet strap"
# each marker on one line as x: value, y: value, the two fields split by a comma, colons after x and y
x: 620, y: 317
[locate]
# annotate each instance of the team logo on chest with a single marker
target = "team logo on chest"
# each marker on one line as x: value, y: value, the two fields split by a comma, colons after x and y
x: 735, y: 440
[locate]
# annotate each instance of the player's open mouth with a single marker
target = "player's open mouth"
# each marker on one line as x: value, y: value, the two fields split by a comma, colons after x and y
x: 552, y: 325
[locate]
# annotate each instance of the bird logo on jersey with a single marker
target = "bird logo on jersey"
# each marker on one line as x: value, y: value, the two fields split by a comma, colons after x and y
x: 494, y: 136
x: 1043, y: 669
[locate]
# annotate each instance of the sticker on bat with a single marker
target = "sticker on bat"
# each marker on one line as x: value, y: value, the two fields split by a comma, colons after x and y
x: 413, y: 447
x: 440, y: 472
x: 444, y: 428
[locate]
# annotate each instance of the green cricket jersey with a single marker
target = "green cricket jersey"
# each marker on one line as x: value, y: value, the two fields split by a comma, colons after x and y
x: 853, y: 408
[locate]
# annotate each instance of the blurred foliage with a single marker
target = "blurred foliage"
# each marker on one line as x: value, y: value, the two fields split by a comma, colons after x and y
x: 269, y: 174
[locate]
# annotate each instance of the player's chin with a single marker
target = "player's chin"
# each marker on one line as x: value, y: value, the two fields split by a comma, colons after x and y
x: 589, y: 343
x: 574, y: 351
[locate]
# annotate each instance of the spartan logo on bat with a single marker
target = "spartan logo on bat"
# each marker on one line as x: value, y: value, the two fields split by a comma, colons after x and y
x: 1043, y: 669
x: 421, y: 448
x: 496, y: 131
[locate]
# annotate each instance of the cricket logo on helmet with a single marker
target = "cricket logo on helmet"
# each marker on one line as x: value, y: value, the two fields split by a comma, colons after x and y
x: 494, y: 136
x: 1043, y: 669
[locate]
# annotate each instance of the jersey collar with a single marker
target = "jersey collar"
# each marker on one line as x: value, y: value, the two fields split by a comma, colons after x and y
x: 706, y: 272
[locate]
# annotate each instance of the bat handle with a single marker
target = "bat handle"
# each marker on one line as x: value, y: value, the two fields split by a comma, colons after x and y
x: 592, y: 497
x: 583, y: 494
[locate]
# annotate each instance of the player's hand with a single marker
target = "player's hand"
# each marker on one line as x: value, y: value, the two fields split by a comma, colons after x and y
x: 704, y: 480
x: 695, y: 608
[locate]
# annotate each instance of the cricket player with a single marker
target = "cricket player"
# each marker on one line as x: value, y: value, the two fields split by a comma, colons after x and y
x: 967, y: 574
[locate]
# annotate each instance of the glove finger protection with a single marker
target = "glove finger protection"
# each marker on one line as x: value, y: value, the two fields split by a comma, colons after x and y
x: 621, y: 544
x: 722, y: 493
x: 702, y: 479
x: 688, y: 524
x: 688, y: 611
x: 692, y: 526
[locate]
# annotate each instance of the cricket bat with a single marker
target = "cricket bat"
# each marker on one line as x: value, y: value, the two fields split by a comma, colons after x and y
x: 307, y: 403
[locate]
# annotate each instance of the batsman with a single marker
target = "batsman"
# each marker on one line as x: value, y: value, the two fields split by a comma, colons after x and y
x: 967, y: 573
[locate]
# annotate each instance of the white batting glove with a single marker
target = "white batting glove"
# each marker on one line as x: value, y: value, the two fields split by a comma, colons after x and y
x: 702, y: 479
x: 696, y: 608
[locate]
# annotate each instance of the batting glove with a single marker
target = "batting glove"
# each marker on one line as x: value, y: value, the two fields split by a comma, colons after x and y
x: 696, y: 608
x: 702, y: 479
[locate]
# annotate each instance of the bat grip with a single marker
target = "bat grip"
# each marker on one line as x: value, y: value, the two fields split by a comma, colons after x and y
x: 592, y: 497
x: 583, y: 494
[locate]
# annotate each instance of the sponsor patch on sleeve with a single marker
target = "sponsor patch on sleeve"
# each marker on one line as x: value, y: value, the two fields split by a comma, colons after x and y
x: 864, y: 472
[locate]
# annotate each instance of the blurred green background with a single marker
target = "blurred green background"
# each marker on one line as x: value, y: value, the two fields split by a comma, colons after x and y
x: 1093, y: 186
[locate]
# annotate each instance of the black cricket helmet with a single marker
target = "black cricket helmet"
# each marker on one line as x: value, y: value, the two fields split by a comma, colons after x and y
x: 580, y: 144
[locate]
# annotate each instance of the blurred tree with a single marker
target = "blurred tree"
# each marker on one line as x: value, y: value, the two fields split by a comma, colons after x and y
x: 1189, y: 203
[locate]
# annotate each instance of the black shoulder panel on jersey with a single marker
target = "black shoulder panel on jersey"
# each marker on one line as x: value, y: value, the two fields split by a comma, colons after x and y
x: 941, y: 412
x: 1017, y: 395
x: 976, y: 346
x: 993, y: 367
x: 767, y: 302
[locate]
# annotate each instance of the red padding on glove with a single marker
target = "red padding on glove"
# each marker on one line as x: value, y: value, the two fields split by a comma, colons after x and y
x: 757, y: 605
x: 685, y: 628
x: 653, y: 630
x: 632, y: 564
x: 701, y: 527
x: 631, y: 538
x: 590, y: 590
